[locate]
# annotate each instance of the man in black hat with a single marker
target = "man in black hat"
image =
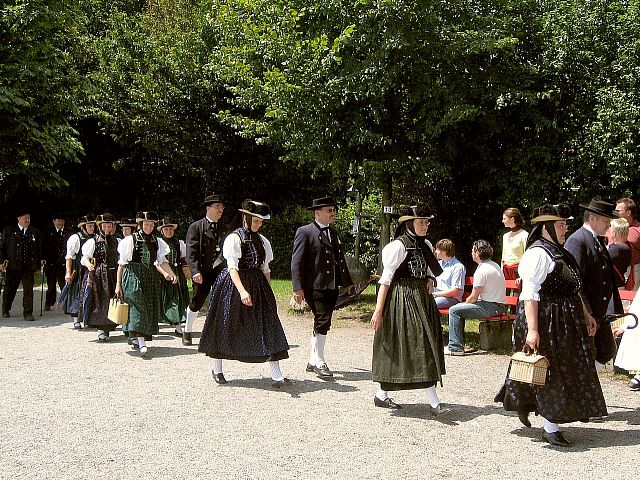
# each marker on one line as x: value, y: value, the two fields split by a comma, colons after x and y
x: 318, y: 268
x: 599, y: 291
x: 20, y: 249
x: 54, y: 250
x: 204, y: 247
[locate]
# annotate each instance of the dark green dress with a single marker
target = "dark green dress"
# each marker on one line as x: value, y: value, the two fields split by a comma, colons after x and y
x: 141, y: 287
x: 408, y: 348
x: 174, y: 298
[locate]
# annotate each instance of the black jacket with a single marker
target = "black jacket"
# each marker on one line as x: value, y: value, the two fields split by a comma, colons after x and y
x: 54, y: 245
x: 10, y: 249
x: 316, y: 264
x: 204, y: 248
x: 597, y: 274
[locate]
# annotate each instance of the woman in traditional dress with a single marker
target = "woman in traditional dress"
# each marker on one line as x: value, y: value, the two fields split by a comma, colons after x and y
x: 100, y: 258
x: 513, y: 242
x: 553, y: 320
x: 174, y: 297
x: 408, y: 349
x: 127, y: 227
x: 141, y: 267
x: 242, y: 323
x: 70, y: 296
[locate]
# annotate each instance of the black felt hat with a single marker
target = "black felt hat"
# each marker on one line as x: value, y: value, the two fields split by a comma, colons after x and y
x: 85, y: 219
x: 128, y: 222
x: 210, y: 199
x: 22, y: 211
x: 415, y: 211
x: 105, y: 218
x: 322, y: 202
x: 167, y: 222
x: 600, y: 207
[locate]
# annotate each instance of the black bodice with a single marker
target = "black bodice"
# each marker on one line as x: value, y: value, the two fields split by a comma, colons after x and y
x: 565, y: 279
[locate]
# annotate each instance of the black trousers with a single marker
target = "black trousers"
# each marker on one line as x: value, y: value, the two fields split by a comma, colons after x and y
x: 605, y: 344
x: 14, y: 278
x: 55, y: 277
x: 322, y: 303
x: 200, y: 291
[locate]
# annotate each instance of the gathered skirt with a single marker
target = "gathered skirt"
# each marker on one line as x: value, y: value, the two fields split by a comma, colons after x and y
x: 70, y: 294
x: 235, y: 331
x: 140, y: 289
x: 572, y: 390
x: 98, y: 287
x: 174, y: 299
x: 408, y: 348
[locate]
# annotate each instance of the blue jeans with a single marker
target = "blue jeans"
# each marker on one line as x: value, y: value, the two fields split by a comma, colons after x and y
x: 445, y: 302
x: 459, y: 312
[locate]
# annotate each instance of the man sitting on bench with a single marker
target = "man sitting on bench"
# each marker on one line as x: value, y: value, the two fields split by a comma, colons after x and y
x: 486, y: 300
x: 450, y: 283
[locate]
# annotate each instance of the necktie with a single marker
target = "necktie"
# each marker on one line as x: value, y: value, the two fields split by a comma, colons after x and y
x: 213, y: 226
x: 327, y: 232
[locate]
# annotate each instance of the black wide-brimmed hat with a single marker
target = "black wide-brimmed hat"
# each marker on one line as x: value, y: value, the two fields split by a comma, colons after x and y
x: 323, y: 202
x: 414, y: 212
x: 22, y: 211
x: 210, y: 199
x: 105, y: 218
x: 600, y: 207
x: 551, y: 213
x: 256, y: 209
x: 128, y: 222
x: 58, y: 215
x: 167, y: 222
x: 86, y: 219
x: 149, y: 216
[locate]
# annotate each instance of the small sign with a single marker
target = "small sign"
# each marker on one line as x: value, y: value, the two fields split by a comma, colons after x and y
x: 387, y: 209
x: 356, y: 225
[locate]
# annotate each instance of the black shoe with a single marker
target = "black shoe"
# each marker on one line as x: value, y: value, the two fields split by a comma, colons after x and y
x: 186, y: 339
x: 388, y: 403
x: 323, y: 371
x: 47, y: 308
x: 285, y: 382
x: 177, y: 333
x: 29, y: 318
x: 634, y: 385
x: 135, y: 345
x: 77, y: 326
x: 5, y: 315
x: 309, y: 367
x: 439, y: 410
x: 219, y: 378
x: 555, y: 438
x: 103, y: 337
x: 524, y: 419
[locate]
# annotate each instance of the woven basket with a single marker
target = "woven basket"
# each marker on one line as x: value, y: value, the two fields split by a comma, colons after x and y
x: 528, y: 368
x: 118, y: 311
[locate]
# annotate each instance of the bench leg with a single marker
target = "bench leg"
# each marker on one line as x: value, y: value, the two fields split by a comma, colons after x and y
x: 496, y: 335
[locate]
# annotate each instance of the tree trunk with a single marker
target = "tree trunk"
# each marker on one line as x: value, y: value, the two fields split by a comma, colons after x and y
x: 385, y: 229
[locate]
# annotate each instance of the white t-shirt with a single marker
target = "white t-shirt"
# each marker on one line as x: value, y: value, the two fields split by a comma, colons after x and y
x: 125, y: 249
x: 489, y: 276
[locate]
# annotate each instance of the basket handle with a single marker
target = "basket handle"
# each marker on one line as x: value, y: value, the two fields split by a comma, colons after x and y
x: 527, y: 350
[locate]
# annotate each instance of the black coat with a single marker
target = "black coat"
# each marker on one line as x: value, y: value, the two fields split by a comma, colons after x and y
x: 204, y: 248
x: 597, y: 273
x: 54, y: 245
x: 314, y: 260
x: 10, y: 249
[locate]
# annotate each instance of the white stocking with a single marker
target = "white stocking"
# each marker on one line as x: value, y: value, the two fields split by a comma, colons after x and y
x: 276, y: 374
x: 191, y: 317
x: 550, y: 427
x: 217, y: 365
x: 432, y: 396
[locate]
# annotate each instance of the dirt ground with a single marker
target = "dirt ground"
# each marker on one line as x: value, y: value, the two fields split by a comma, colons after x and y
x: 72, y: 408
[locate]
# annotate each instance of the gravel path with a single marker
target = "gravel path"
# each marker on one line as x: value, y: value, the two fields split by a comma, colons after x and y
x: 72, y: 408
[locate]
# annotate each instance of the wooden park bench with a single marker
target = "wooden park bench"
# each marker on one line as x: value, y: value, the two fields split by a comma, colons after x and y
x: 496, y: 332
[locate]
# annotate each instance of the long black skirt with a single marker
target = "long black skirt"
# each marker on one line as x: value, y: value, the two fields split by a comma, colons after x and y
x: 408, y: 349
x: 98, y: 287
x: 235, y: 331
x: 572, y: 390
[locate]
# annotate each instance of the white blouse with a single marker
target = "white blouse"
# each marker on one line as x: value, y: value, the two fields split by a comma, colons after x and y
x: 232, y: 251
x: 73, y: 246
x: 392, y: 256
x: 534, y: 267
x: 125, y: 249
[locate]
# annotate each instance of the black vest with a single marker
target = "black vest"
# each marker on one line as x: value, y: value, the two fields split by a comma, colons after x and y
x: 144, y: 252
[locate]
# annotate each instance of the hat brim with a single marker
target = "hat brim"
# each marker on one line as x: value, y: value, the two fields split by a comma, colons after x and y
x: 406, y: 218
x: 263, y: 217
x: 599, y: 212
x: 206, y: 204
x: 315, y: 207
x: 130, y: 225
x: 548, y: 218
x: 174, y: 225
x: 146, y: 220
